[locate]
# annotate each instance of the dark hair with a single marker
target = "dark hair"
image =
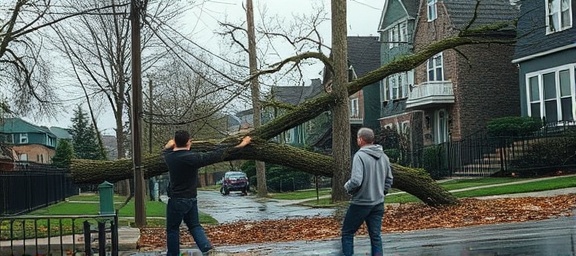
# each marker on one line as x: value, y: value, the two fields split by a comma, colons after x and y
x: 366, y: 134
x: 181, y: 138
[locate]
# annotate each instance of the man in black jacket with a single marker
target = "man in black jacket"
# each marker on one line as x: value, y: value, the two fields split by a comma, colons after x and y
x: 183, y: 167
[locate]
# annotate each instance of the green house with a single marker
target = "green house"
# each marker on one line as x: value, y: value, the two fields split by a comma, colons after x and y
x: 30, y: 142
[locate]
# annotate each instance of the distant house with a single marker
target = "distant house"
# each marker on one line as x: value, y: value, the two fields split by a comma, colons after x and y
x: 61, y: 133
x: 546, y: 57
x: 30, y: 142
x: 302, y: 134
x: 459, y: 90
x: 363, y: 57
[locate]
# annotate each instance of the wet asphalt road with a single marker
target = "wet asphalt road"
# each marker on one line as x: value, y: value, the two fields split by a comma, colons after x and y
x: 235, y: 207
x: 554, y: 237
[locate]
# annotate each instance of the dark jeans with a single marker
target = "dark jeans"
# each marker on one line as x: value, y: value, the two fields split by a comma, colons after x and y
x: 184, y: 209
x: 355, y: 216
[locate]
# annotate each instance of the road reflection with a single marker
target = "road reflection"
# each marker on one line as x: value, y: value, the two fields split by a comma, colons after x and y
x: 235, y: 207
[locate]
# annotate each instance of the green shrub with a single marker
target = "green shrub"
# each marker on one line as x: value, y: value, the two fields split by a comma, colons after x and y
x: 547, y: 153
x: 393, y: 154
x: 513, y: 126
x: 432, y: 159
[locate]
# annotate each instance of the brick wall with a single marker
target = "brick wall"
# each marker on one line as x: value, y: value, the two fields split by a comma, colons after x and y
x: 484, y: 79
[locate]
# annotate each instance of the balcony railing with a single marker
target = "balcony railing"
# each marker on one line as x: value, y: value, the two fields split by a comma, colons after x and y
x: 356, y: 119
x: 430, y: 93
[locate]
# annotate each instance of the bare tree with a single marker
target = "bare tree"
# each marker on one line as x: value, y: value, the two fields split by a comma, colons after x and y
x: 261, y: 148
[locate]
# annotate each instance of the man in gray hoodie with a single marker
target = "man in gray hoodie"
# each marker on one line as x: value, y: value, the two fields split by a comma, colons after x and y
x: 371, y: 178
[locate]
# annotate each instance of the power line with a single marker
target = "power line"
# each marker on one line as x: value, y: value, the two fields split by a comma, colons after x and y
x: 364, y: 4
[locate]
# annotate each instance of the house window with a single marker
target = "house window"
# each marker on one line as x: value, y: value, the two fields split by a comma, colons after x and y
x: 23, y: 157
x: 384, y: 90
x: 23, y: 138
x: 559, y: 14
x: 288, y: 136
x: 435, y: 68
x: 397, y: 34
x: 397, y: 86
x: 354, y: 112
x: 432, y: 14
x: 393, y: 37
x: 7, y: 138
x: 550, y: 94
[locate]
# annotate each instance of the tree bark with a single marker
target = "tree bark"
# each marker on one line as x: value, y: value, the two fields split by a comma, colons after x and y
x: 262, y: 186
x: 340, y: 110
x: 412, y: 181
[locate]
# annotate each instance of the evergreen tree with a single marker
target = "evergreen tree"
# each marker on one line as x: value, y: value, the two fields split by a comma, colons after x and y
x: 63, y: 154
x: 84, y: 137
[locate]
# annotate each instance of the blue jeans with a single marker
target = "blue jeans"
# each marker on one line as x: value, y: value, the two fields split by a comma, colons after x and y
x: 184, y: 209
x: 355, y: 216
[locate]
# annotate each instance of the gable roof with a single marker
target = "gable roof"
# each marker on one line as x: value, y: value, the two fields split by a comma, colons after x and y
x: 17, y: 125
x: 461, y: 12
x: 363, y: 54
x: 409, y: 8
x: 295, y: 95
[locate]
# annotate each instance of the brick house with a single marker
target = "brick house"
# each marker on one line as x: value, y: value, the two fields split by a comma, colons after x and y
x: 29, y: 142
x: 459, y: 90
x: 546, y: 56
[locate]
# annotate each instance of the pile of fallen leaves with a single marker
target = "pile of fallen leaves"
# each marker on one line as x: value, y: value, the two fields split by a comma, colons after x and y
x: 398, y: 218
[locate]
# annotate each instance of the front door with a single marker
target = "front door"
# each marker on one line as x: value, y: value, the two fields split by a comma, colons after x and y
x: 440, y: 126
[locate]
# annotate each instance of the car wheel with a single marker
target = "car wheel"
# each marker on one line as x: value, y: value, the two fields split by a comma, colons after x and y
x: 226, y: 191
x: 244, y: 192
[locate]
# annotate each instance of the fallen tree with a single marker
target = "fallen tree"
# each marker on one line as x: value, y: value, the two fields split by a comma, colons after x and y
x: 409, y: 180
x: 412, y: 181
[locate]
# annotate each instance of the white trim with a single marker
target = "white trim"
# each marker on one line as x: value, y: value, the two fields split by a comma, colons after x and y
x: 433, y: 3
x: 542, y: 101
x: 540, y: 54
x: 559, y: 13
x: 396, y: 23
x: 399, y: 115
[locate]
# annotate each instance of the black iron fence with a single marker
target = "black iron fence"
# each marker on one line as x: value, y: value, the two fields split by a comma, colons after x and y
x: 29, y: 187
x: 553, y: 148
x: 59, y: 235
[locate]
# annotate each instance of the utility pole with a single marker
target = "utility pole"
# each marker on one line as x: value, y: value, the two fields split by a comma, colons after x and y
x: 139, y: 211
x: 255, y: 89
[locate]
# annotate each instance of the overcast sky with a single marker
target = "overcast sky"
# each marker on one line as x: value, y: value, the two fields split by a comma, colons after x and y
x: 202, y: 22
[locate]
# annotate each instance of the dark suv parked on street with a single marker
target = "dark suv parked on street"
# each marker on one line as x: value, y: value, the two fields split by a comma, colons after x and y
x: 234, y: 181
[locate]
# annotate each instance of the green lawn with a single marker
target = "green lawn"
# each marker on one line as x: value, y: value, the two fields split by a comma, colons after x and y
x: 536, y: 185
x: 467, y: 183
x: 89, y: 205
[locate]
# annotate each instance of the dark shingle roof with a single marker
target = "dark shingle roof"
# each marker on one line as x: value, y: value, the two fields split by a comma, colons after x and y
x: 297, y: 94
x: 411, y: 7
x: 532, y: 37
x: 363, y: 53
x: 461, y: 12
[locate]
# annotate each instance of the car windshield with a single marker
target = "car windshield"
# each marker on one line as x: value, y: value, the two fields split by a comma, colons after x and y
x: 236, y: 175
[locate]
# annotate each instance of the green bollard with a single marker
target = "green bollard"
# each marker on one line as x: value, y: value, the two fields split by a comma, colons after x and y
x: 106, y: 192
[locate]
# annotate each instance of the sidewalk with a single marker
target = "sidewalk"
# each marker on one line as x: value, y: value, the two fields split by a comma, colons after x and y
x: 290, y: 246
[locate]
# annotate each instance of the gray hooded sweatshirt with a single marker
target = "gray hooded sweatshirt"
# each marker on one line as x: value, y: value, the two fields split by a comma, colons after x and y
x: 371, y: 175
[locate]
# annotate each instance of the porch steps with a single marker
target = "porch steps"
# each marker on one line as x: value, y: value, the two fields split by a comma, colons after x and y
x: 491, y: 163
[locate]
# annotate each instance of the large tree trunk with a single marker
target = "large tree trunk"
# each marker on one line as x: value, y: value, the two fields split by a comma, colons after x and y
x: 262, y: 186
x: 406, y: 179
x: 340, y: 111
